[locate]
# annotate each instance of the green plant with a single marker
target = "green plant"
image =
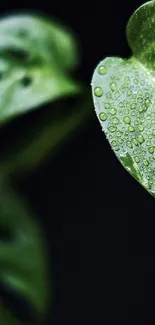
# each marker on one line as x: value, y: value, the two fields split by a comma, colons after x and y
x: 124, y: 99
x: 37, y: 57
x: 22, y: 258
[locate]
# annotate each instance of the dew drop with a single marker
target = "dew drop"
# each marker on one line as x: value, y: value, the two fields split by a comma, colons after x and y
x: 129, y: 144
x: 113, y: 111
x: 146, y: 162
x: 136, y: 81
x: 121, y: 104
x: 98, y: 91
x: 137, y: 160
x: 153, y: 132
x: 140, y: 100
x: 114, y: 143
x: 135, y: 142
x: 153, y: 121
x: 108, y: 95
x: 107, y: 105
x: 127, y: 79
x: 150, y: 136
x: 148, y: 143
x: 103, y: 116
x: 140, y: 93
x: 140, y: 139
x: 119, y: 133
x: 141, y: 109
x: 127, y: 119
x: 147, y: 103
x: 112, y: 129
x: 115, y: 120
x: 141, y: 127
x: 117, y: 94
x: 146, y: 93
x: 151, y: 150
x: 113, y: 86
x: 102, y: 70
x: 129, y: 93
x: 133, y: 106
x: 126, y: 111
x: 131, y: 128
x: 142, y: 83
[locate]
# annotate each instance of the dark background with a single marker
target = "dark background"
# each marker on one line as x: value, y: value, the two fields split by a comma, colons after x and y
x: 98, y: 221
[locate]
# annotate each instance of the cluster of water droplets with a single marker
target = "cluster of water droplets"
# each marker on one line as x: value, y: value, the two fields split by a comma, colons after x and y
x: 141, y: 33
x: 125, y: 105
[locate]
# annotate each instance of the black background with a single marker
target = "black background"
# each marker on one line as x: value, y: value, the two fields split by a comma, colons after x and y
x: 98, y: 221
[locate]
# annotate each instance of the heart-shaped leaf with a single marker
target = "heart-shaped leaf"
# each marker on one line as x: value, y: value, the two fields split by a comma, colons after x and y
x: 35, y: 57
x: 124, y: 98
x: 22, y: 256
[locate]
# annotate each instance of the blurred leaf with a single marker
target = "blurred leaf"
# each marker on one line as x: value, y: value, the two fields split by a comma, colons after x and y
x: 46, y: 136
x: 22, y: 257
x: 124, y: 98
x: 35, y: 56
x: 6, y: 318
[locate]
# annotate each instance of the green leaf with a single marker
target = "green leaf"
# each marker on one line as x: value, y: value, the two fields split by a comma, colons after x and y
x: 124, y: 99
x: 36, y: 56
x: 46, y: 136
x: 6, y: 318
x: 22, y: 258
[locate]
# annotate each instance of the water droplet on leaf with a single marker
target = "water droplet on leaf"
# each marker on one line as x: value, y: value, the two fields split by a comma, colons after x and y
x: 131, y: 128
x: 102, y: 70
x: 113, y: 111
x: 98, y: 91
x: 114, y: 143
x: 115, y: 120
x: 112, y: 129
x: 151, y: 150
x: 140, y: 139
x: 113, y: 86
x: 103, y: 116
x: 146, y: 162
x: 127, y: 119
x: 137, y: 160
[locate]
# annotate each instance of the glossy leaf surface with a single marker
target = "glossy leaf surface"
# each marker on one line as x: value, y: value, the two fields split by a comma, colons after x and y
x: 124, y: 99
